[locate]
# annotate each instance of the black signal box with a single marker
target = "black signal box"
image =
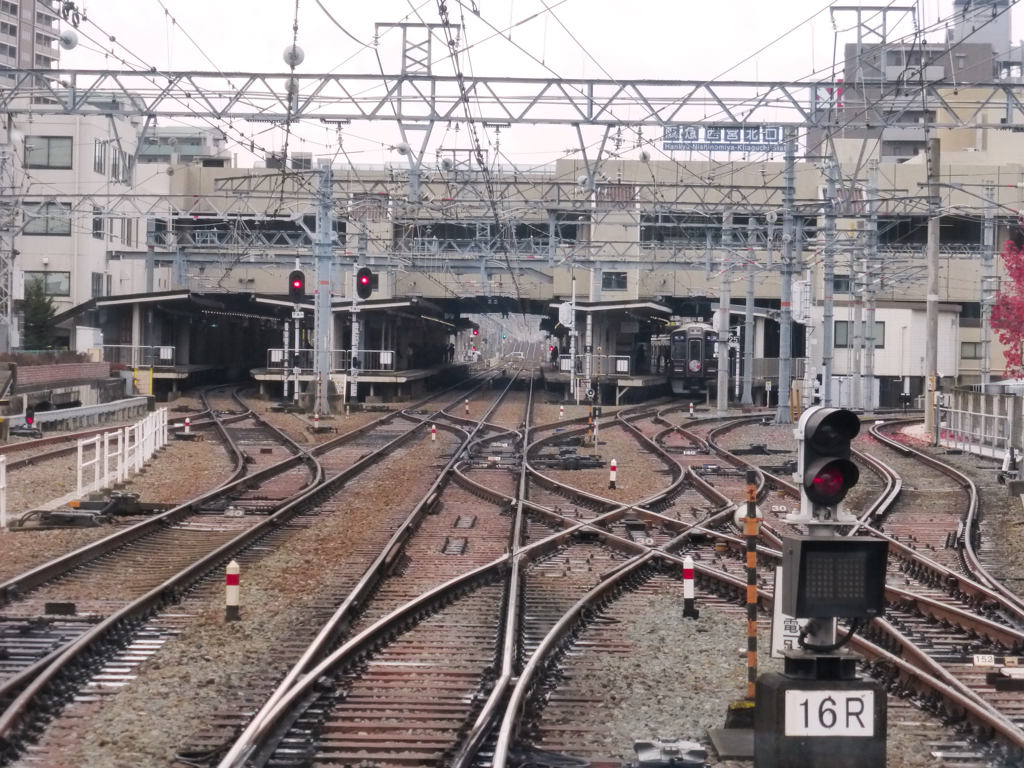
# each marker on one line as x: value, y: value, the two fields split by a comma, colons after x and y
x: 835, y: 576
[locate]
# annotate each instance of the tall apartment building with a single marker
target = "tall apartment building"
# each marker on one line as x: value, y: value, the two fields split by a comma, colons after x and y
x: 29, y: 34
x: 882, y: 78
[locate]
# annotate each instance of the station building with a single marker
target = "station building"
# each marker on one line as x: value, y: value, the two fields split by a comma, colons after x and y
x: 158, y: 251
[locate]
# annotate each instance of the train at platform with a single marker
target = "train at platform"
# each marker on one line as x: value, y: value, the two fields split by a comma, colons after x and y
x: 686, y: 354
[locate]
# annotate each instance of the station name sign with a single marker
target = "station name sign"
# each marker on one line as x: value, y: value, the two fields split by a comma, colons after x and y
x: 724, y: 138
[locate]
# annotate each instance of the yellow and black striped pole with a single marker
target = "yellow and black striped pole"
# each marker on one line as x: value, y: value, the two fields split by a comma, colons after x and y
x: 751, y: 536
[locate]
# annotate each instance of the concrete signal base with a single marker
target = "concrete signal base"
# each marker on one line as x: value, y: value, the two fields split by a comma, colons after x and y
x: 817, y: 713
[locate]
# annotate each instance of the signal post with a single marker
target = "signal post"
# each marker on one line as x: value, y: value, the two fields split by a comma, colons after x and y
x: 297, y: 293
x: 818, y: 711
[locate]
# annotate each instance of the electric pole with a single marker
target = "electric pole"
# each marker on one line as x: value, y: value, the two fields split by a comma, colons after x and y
x: 932, y: 306
x: 323, y: 255
x: 870, y: 282
x: 724, y: 305
x: 988, y: 255
x: 783, y: 415
x: 828, y: 308
x: 748, y: 320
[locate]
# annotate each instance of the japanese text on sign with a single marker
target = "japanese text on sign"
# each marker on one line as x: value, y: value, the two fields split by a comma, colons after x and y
x: 715, y: 138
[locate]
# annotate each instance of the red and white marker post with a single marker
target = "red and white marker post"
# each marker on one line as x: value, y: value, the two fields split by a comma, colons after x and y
x: 691, y: 410
x: 188, y: 426
x: 316, y: 422
x: 561, y: 412
x: 689, y: 602
x: 433, y: 433
x: 467, y: 407
x: 232, y: 590
x: 611, y: 475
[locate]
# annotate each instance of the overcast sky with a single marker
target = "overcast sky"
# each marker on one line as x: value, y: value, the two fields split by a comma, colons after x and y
x: 657, y: 39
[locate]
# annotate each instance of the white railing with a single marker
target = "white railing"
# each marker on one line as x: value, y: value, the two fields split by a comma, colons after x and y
x: 112, y: 457
x: 341, y: 359
x: 982, y: 424
x: 138, y: 357
x: 600, y: 365
x: 366, y: 360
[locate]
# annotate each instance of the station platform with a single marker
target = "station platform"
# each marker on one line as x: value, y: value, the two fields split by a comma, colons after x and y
x: 388, y: 385
x: 622, y: 383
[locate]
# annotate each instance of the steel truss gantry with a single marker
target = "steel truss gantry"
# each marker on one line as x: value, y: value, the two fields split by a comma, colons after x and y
x: 418, y: 98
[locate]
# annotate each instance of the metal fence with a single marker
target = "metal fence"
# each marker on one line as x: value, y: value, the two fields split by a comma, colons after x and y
x: 341, y: 359
x: 600, y: 365
x: 138, y: 357
x: 979, y: 423
x: 112, y: 457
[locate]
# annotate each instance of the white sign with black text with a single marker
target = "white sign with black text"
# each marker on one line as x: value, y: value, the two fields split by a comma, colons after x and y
x: 785, y: 629
x: 830, y: 713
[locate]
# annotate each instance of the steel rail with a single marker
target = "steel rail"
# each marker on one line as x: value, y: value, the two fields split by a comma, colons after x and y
x: 26, y: 690
x: 249, y: 749
x: 170, y: 590
x: 334, y: 627
x: 511, y: 619
x: 970, y: 524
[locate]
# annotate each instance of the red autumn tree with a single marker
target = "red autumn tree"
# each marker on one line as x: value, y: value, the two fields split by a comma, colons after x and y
x: 1008, y: 310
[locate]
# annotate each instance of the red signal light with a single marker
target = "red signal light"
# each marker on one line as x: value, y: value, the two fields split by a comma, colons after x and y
x: 297, y: 285
x: 476, y: 332
x: 364, y: 279
x: 829, y: 482
x: 827, y: 468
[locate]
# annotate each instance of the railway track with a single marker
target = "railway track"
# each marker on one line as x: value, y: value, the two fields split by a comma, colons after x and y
x: 267, y: 491
x: 528, y: 568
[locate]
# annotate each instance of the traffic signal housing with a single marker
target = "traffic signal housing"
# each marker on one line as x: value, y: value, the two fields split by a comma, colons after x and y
x: 30, y: 416
x: 826, y: 471
x: 364, y: 282
x: 297, y: 285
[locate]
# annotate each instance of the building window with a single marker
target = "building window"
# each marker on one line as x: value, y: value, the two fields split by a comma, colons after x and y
x: 844, y: 334
x: 97, y: 223
x: 970, y: 350
x: 8, y: 50
x: 8, y: 7
x: 99, y: 156
x: 840, y: 284
x: 97, y: 284
x: 48, y: 152
x: 44, y: 62
x: 47, y: 219
x: 8, y: 29
x: 54, y: 283
x: 121, y: 165
x: 129, y: 232
x: 613, y: 281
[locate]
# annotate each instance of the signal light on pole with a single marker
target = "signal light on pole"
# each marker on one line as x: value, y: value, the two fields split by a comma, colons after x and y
x: 364, y: 282
x: 30, y: 416
x: 297, y: 285
x: 826, y: 471
x: 476, y: 331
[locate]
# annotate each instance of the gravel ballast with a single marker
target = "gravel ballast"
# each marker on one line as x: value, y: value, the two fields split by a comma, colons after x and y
x: 690, y: 671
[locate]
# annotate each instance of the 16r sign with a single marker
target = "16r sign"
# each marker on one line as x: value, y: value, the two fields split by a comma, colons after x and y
x: 830, y: 713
